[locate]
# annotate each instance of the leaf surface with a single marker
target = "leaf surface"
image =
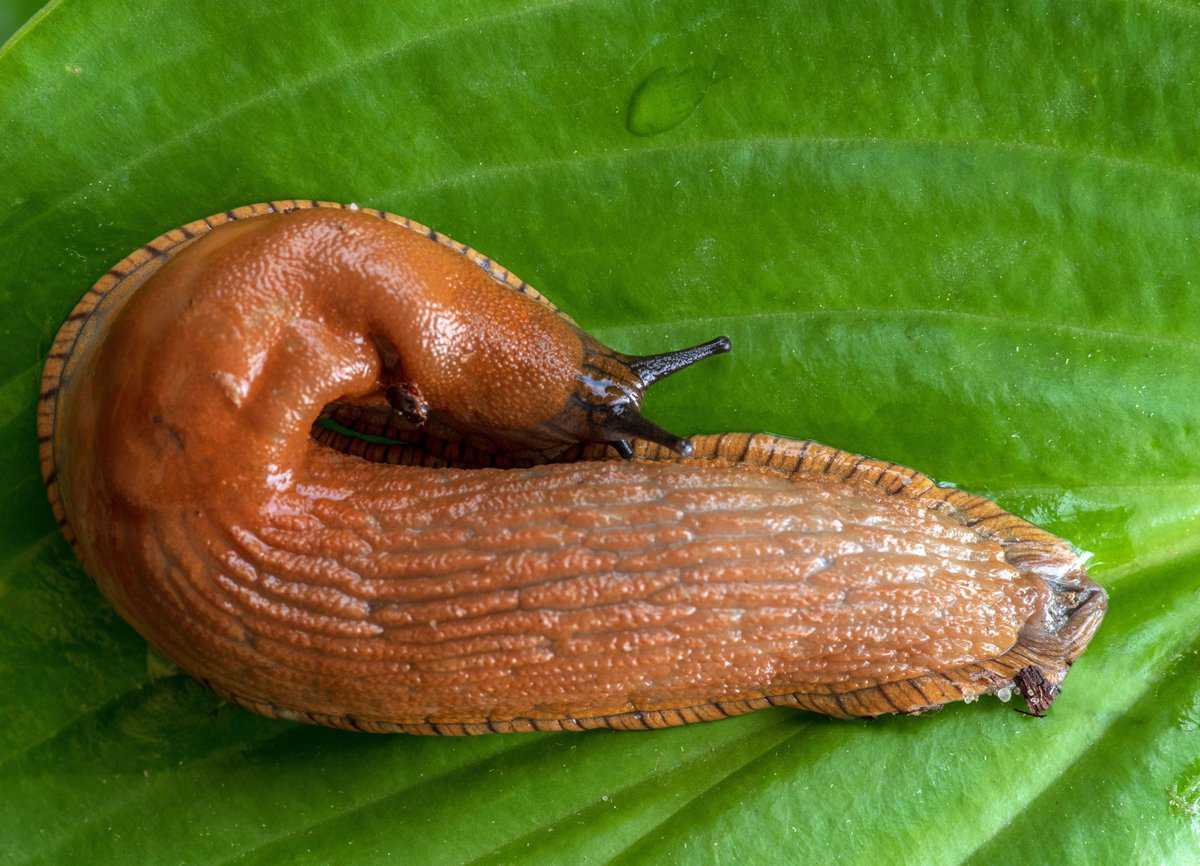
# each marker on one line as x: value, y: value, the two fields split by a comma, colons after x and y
x: 954, y: 235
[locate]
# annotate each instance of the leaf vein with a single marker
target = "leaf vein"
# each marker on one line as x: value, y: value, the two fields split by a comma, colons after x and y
x: 913, y: 312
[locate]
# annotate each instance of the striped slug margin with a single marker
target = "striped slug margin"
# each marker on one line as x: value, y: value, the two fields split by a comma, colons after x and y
x: 1025, y: 546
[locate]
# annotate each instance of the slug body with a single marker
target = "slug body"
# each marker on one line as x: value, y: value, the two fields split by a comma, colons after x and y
x: 500, y: 568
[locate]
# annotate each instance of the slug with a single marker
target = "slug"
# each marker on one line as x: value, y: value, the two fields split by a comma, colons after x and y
x: 345, y: 470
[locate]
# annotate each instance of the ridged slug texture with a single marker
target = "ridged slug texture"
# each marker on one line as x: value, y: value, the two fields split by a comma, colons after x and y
x: 460, y: 581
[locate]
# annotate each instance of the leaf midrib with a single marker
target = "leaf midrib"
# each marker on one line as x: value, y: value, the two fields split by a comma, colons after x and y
x: 1012, y: 322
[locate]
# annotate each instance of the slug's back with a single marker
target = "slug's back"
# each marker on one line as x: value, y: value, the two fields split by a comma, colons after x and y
x: 305, y: 573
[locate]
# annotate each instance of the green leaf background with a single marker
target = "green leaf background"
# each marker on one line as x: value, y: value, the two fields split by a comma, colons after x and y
x: 961, y: 236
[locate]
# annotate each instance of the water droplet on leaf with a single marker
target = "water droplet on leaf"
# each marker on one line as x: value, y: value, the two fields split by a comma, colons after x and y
x: 667, y: 97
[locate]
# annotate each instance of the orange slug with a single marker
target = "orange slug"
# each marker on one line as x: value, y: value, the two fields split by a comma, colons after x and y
x: 493, y: 564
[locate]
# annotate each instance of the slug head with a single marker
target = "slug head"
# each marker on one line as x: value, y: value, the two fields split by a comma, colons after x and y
x: 509, y: 374
x: 606, y: 403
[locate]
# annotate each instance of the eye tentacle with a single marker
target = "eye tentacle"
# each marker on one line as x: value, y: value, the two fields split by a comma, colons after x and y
x: 651, y: 368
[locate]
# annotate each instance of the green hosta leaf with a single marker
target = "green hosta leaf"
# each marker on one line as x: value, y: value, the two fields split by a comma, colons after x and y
x: 14, y: 13
x: 961, y: 236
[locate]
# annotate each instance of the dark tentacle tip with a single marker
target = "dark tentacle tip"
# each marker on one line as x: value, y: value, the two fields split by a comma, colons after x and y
x: 627, y: 423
